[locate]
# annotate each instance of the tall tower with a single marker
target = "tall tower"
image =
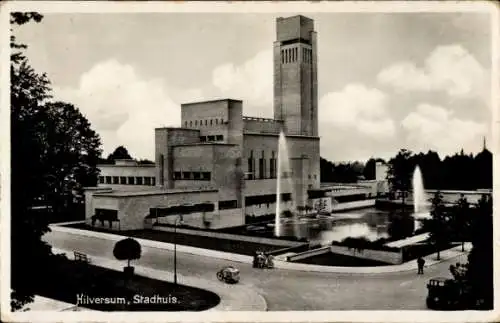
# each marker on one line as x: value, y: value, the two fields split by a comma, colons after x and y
x: 296, y: 75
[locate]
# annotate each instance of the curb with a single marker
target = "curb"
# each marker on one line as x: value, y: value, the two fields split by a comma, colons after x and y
x: 405, y: 267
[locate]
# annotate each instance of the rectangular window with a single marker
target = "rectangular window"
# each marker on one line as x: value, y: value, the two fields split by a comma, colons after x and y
x: 147, y: 181
x: 211, y: 138
x: 205, y: 176
x: 108, y: 179
x: 101, y: 179
x: 131, y: 180
x: 220, y: 138
x: 177, y: 175
x: 226, y: 205
x: 196, y: 175
x: 138, y: 180
x: 250, y: 168
x: 123, y: 180
x: 116, y: 180
x: 186, y: 175
x: 153, y: 181
x: 203, y: 138
x: 262, y: 168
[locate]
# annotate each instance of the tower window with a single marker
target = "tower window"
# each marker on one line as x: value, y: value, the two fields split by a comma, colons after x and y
x: 201, y: 122
x: 211, y: 121
x: 186, y: 123
x: 190, y: 123
x: 195, y: 122
x: 206, y: 122
x: 216, y: 121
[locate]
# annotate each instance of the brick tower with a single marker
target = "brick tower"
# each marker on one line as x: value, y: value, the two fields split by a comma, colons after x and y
x: 295, y: 75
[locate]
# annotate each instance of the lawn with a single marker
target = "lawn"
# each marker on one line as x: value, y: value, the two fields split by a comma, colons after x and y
x: 67, y: 280
x: 233, y: 246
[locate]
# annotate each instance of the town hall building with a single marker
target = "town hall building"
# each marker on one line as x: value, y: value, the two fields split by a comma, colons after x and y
x: 221, y: 158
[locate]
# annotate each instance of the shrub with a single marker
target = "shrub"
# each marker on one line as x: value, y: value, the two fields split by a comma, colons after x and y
x: 127, y: 249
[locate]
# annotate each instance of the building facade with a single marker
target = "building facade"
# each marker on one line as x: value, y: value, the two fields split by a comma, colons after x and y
x: 218, y: 156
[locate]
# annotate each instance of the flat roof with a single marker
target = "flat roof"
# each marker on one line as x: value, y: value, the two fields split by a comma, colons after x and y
x: 155, y: 192
x: 176, y: 128
x: 113, y: 165
x: 212, y: 101
x: 273, y: 134
x: 205, y: 144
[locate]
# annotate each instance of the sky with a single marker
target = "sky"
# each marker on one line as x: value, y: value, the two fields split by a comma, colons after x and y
x: 387, y: 81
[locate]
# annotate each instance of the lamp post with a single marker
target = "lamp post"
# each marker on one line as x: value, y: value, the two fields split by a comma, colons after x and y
x: 175, y: 249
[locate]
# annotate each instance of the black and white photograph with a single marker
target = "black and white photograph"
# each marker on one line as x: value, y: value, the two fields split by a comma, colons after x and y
x: 303, y: 161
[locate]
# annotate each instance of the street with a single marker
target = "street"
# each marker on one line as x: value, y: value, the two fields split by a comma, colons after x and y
x: 285, y: 289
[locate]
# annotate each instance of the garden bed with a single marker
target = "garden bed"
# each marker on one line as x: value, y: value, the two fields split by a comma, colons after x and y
x: 72, y: 282
x: 225, y: 245
x: 333, y: 259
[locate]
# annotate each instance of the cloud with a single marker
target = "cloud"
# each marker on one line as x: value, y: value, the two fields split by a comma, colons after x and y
x: 361, y: 109
x: 251, y: 81
x: 123, y: 107
x: 435, y: 127
x: 450, y: 68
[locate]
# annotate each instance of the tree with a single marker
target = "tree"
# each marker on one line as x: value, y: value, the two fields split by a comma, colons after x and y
x: 480, y: 259
x: 53, y: 154
x: 438, y: 223
x: 400, y: 173
x: 127, y: 249
x: 119, y: 153
x: 461, y: 219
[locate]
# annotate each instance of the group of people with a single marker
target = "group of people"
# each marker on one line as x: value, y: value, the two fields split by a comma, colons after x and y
x: 261, y: 260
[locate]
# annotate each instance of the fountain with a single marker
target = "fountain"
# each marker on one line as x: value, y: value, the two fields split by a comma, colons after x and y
x: 418, y: 191
x: 419, y: 201
x: 284, y: 181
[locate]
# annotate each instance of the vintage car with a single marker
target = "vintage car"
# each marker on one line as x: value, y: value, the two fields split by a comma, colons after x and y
x: 444, y: 294
x: 229, y: 274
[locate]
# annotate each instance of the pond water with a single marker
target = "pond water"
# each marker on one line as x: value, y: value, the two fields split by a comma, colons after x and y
x: 369, y: 223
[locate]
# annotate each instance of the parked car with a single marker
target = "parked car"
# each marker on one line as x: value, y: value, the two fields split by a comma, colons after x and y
x: 444, y: 294
x: 229, y: 274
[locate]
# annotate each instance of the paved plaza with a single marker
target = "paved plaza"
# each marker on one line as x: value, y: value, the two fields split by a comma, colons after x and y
x: 281, y: 289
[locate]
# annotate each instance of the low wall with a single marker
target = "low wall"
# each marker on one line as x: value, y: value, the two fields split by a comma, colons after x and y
x: 309, y: 253
x: 353, y: 205
x: 229, y: 236
x: 391, y: 257
x: 301, y: 248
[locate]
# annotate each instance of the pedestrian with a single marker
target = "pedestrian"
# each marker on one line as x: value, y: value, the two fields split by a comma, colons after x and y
x: 420, y: 264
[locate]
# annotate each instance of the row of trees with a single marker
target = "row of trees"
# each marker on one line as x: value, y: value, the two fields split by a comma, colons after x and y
x: 457, y: 172
x: 465, y: 223
x: 54, y: 153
